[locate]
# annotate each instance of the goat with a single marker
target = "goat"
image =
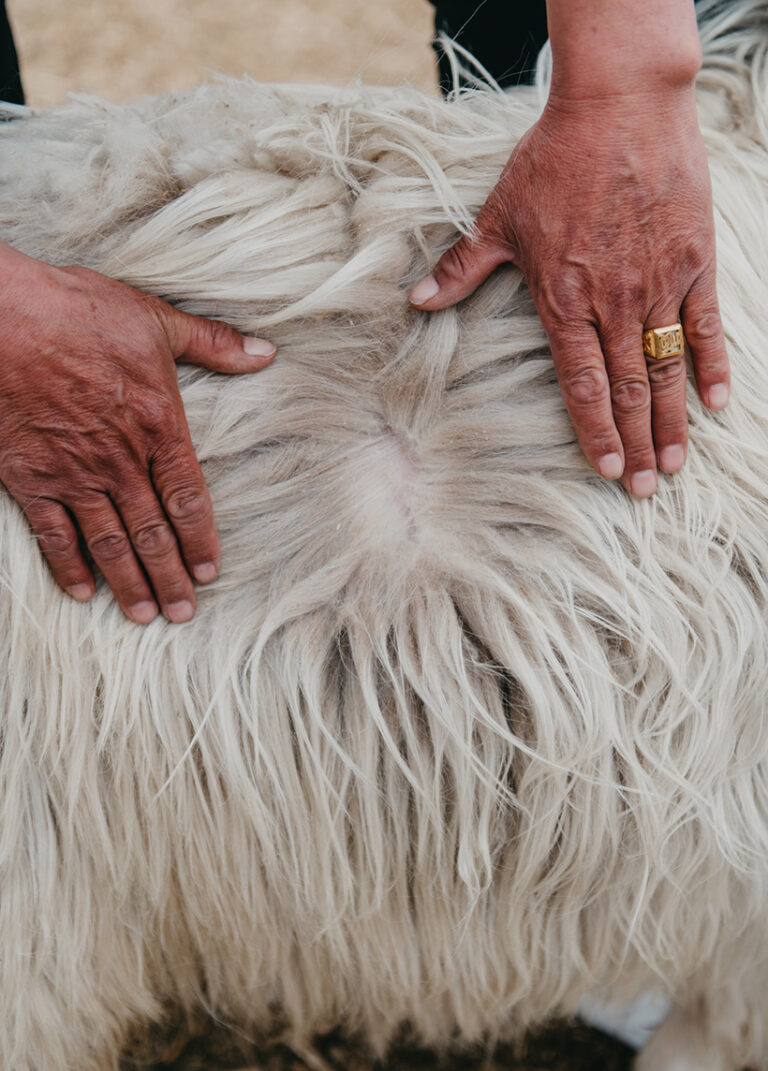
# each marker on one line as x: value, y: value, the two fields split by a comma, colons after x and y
x: 462, y: 733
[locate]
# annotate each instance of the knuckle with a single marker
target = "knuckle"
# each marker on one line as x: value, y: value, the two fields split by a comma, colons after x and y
x: 456, y: 260
x: 156, y: 415
x: 187, y: 504
x: 55, y: 541
x: 665, y: 376
x: 113, y: 459
x: 176, y: 589
x: 216, y: 335
x: 583, y: 386
x: 19, y: 472
x: 109, y: 546
x: 132, y: 591
x: 598, y: 444
x: 564, y: 302
x: 153, y: 539
x: 705, y: 329
x: 697, y: 257
x: 630, y: 395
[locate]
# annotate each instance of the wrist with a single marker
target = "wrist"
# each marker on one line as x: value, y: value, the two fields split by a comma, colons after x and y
x: 609, y: 49
x: 623, y: 133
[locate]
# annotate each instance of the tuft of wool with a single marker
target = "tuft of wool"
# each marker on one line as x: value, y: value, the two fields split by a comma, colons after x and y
x: 462, y: 732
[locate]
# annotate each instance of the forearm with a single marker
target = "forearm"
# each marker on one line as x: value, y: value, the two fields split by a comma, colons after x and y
x: 606, y: 48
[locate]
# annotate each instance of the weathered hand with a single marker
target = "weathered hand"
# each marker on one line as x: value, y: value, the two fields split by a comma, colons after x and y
x: 93, y: 438
x: 606, y: 207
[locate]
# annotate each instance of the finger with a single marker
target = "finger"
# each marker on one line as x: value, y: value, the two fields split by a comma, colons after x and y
x: 584, y: 385
x: 458, y: 273
x: 108, y: 543
x: 213, y: 344
x: 467, y: 264
x: 669, y: 415
x: 631, y: 402
x: 156, y: 547
x: 703, y: 331
x: 58, y: 540
x: 181, y: 488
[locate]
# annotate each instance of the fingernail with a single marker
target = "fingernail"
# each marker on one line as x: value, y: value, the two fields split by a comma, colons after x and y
x: 424, y: 290
x: 643, y: 483
x: 143, y: 612
x: 81, y: 592
x: 179, y: 612
x: 611, y: 466
x: 259, y: 347
x: 718, y: 396
x: 671, y: 458
x: 204, y: 574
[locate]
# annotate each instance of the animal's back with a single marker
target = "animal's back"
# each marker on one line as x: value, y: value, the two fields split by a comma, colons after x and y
x: 462, y: 731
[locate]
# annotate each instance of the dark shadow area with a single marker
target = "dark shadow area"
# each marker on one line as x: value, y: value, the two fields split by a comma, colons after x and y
x: 563, y: 1047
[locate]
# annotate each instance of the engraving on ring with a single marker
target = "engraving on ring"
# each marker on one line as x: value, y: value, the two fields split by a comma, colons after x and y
x: 663, y: 341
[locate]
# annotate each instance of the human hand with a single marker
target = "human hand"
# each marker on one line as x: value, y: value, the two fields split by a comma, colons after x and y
x: 94, y: 442
x: 606, y: 207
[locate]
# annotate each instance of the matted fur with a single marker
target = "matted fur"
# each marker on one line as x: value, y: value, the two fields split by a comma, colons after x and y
x: 462, y: 732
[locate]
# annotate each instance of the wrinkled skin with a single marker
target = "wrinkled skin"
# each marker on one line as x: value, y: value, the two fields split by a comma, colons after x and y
x: 94, y: 444
x: 606, y: 207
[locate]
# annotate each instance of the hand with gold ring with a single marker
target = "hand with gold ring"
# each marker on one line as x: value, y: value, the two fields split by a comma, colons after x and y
x: 606, y: 207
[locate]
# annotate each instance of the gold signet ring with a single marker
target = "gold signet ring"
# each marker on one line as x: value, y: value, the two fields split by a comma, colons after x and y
x: 663, y: 341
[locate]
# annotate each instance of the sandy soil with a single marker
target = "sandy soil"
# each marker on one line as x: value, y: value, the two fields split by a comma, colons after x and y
x: 118, y: 49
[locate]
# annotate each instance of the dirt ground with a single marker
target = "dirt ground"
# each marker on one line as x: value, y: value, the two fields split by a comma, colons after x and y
x: 118, y: 49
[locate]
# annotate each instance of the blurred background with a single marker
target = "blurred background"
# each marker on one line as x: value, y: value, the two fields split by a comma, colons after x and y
x: 120, y: 49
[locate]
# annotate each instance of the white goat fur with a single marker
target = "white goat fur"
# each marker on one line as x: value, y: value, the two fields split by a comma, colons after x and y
x: 462, y: 732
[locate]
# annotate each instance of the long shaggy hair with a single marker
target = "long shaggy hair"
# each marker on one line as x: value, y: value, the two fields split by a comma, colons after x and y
x: 462, y: 732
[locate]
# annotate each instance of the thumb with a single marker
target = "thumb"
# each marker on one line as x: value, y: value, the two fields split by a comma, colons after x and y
x: 214, y: 344
x: 459, y: 272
